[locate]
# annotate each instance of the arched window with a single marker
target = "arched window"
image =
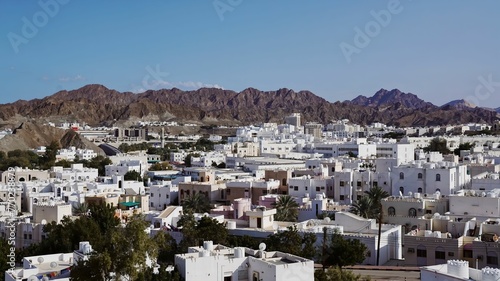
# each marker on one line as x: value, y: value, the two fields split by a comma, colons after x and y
x: 412, y: 212
x: 401, y: 176
x: 420, y: 176
x: 402, y: 190
x: 391, y: 211
x: 419, y: 190
x: 59, y: 192
x: 438, y: 177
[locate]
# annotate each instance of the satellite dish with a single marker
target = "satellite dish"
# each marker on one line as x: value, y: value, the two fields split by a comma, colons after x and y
x: 327, y: 219
x: 53, y: 264
x: 262, y: 246
x: 40, y: 260
x: 44, y: 222
x: 33, y: 278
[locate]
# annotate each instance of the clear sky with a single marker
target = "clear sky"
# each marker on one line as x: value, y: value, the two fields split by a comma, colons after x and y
x: 438, y: 50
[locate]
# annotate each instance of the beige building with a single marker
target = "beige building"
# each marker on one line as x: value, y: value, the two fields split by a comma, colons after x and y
x: 282, y: 176
x: 51, y: 212
x: 251, y: 189
x: 213, y: 191
x: 314, y: 129
x: 22, y: 175
x: 413, y: 212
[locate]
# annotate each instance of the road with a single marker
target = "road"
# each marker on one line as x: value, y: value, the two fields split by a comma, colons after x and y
x: 389, y: 274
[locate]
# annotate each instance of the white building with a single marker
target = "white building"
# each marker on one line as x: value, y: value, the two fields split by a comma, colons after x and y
x: 162, y: 194
x: 427, y: 178
x: 76, y: 173
x: 220, y: 263
x: 458, y: 270
x: 126, y: 166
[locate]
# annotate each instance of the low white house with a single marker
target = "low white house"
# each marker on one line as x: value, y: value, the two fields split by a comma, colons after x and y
x: 221, y: 263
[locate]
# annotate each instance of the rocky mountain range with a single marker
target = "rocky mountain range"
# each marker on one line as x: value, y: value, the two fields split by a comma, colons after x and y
x: 98, y: 105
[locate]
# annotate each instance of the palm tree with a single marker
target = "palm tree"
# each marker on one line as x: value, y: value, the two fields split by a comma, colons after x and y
x: 286, y: 209
x: 81, y: 209
x: 376, y: 194
x: 363, y: 208
x: 196, y: 203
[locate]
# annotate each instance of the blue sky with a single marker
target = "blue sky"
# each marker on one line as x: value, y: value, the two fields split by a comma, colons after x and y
x: 438, y: 50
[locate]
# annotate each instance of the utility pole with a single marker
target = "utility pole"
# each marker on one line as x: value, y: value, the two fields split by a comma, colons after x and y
x: 380, y: 216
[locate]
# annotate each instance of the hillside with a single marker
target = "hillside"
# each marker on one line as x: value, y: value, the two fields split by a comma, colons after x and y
x: 33, y: 134
x: 98, y: 105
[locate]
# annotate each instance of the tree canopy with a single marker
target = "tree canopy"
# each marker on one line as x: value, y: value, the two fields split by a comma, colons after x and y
x: 286, y: 209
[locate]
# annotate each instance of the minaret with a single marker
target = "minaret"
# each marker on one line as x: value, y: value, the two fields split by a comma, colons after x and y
x: 162, y: 137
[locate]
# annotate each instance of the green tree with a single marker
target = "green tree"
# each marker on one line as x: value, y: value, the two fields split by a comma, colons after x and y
x: 187, y: 160
x: 49, y: 158
x: 376, y: 194
x: 99, y: 162
x: 286, y: 209
x: 342, y: 252
x: 363, y: 207
x: 160, y: 166
x: 463, y: 146
x: 289, y: 241
x: 196, y: 203
x: 335, y: 273
x: 438, y: 144
x: 81, y: 209
x: 132, y: 176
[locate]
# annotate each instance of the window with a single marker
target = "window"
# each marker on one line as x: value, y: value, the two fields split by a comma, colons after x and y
x: 402, y: 190
x: 167, y: 196
x: 342, y: 183
x: 451, y: 254
x: 421, y: 253
x: 440, y: 255
x: 401, y: 176
x: 467, y: 253
x: 411, y: 250
x: 317, y: 188
x: 152, y: 195
x: 438, y: 177
x: 342, y: 197
x: 264, y: 192
x: 291, y: 186
x: 412, y: 212
x: 296, y: 188
x: 358, y: 197
x: 391, y: 211
x: 358, y: 183
x: 419, y: 190
x: 375, y: 183
x: 492, y: 259
x: 420, y: 176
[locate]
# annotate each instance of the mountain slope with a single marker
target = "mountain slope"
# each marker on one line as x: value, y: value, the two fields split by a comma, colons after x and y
x: 384, y: 97
x: 97, y: 105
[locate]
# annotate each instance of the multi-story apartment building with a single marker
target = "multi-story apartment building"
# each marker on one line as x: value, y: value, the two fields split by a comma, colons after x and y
x: 427, y: 178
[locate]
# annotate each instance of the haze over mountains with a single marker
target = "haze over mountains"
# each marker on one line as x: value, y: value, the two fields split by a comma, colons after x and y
x: 98, y: 105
